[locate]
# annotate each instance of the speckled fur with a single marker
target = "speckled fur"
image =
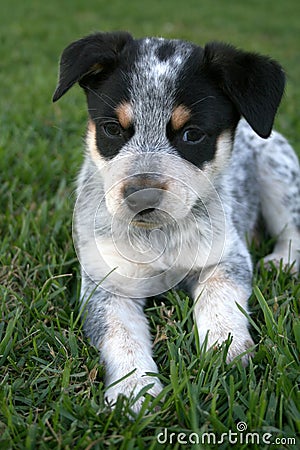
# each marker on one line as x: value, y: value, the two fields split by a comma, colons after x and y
x: 197, y: 236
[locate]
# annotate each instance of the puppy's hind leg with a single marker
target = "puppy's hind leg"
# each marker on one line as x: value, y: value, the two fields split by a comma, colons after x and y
x: 279, y: 186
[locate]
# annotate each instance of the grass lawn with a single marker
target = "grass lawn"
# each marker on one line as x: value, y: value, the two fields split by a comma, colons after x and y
x: 51, y: 383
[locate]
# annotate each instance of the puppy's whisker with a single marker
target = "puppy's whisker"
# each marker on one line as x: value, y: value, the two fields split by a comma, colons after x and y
x: 109, y: 102
x: 102, y: 118
x: 203, y: 99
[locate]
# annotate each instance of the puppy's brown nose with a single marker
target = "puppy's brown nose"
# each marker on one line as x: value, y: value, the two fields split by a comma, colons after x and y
x: 141, y: 199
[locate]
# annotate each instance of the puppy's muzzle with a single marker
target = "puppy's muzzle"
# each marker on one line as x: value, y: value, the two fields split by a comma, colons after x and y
x: 142, y: 199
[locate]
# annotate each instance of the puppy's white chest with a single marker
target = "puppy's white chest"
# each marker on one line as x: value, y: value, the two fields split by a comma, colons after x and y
x: 135, y: 258
x: 144, y: 267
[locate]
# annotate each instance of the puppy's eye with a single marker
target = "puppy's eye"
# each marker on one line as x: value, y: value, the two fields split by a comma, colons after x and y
x: 112, y: 129
x: 193, y: 135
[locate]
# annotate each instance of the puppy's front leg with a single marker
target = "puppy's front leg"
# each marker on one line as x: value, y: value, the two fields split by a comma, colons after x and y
x: 118, y: 328
x: 216, y: 313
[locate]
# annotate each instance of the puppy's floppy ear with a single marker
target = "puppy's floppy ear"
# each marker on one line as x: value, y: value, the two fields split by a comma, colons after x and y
x: 254, y: 83
x: 90, y: 55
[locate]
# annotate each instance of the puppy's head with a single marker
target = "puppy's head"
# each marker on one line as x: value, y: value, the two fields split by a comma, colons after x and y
x: 163, y: 115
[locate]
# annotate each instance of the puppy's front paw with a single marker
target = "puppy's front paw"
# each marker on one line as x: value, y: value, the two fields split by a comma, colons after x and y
x: 237, y: 347
x: 130, y: 388
x: 280, y: 260
x: 240, y: 344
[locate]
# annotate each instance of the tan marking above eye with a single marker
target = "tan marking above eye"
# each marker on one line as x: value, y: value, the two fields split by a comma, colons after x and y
x: 125, y: 114
x: 180, y: 116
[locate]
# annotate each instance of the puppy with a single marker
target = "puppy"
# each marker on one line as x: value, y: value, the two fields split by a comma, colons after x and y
x: 178, y: 166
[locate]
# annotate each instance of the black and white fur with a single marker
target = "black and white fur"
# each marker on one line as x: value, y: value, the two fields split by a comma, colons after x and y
x: 180, y: 161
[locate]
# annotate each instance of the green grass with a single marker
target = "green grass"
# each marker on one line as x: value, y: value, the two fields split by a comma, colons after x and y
x: 51, y: 383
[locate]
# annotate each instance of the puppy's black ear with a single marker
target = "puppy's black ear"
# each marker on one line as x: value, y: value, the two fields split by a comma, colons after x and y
x: 254, y: 83
x: 90, y: 55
